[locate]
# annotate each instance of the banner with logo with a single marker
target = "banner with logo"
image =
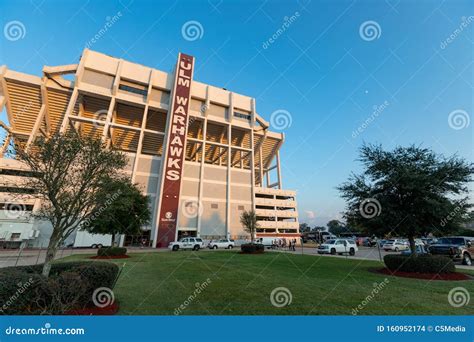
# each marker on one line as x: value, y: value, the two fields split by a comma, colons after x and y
x: 175, y: 150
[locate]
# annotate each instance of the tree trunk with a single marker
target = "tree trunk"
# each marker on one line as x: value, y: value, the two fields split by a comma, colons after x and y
x: 50, y: 254
x: 411, y: 240
x: 113, y: 240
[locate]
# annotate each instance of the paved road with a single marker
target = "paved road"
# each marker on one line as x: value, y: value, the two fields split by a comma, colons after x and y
x: 35, y: 256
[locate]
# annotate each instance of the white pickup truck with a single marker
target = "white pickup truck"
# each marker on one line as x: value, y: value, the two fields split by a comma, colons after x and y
x: 187, y: 243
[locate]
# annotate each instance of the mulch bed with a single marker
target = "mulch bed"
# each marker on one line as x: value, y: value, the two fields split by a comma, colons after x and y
x: 111, y: 309
x: 426, y: 276
x: 110, y: 257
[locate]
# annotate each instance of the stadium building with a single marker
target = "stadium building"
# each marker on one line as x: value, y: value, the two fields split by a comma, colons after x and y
x: 202, y: 153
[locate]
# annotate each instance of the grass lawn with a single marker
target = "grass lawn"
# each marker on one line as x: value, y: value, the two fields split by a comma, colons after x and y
x: 158, y: 283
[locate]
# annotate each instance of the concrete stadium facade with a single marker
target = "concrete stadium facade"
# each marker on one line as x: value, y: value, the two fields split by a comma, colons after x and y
x: 229, y: 159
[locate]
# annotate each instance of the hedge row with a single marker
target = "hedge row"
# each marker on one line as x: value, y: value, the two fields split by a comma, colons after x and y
x: 24, y: 291
x: 423, y: 263
x: 111, y: 251
x: 252, y: 248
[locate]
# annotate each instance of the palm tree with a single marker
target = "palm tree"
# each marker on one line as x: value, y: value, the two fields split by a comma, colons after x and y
x: 248, y: 219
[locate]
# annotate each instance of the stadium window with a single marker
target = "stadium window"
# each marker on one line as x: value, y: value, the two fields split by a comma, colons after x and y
x: 133, y: 87
x: 214, y: 206
x: 15, y: 236
x: 132, y: 90
x: 21, y: 173
x: 241, y: 207
x: 242, y: 116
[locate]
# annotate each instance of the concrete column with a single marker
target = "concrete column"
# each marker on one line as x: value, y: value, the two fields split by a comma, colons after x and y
x: 280, y: 185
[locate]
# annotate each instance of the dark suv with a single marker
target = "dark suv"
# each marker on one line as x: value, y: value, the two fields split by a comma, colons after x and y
x: 457, y: 248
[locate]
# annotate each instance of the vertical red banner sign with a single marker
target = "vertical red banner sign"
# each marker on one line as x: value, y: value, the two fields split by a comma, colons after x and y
x: 175, y: 151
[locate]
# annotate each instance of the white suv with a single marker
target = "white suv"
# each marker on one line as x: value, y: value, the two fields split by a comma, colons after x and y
x: 396, y: 245
x: 222, y: 243
x: 339, y: 246
x: 186, y: 243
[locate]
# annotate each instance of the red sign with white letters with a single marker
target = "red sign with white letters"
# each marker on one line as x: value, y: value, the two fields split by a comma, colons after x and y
x: 175, y: 150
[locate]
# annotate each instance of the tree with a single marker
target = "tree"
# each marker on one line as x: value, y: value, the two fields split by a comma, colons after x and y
x: 318, y: 228
x: 409, y: 191
x: 336, y: 227
x: 69, y: 172
x: 334, y: 224
x: 248, y: 219
x: 304, y: 227
x: 125, y: 209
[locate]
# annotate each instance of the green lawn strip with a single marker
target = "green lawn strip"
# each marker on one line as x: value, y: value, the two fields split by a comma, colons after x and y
x: 158, y: 283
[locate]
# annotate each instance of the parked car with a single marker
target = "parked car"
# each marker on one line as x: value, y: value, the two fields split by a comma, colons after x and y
x: 327, y: 236
x: 186, y: 243
x: 458, y: 248
x: 420, y: 249
x: 222, y: 243
x: 382, y: 242
x: 369, y: 242
x: 396, y: 245
x: 338, y: 246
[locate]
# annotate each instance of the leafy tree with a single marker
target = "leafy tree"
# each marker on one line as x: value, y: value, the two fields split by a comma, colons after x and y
x: 125, y: 209
x: 70, y: 171
x: 318, y: 228
x: 336, y: 227
x: 248, y: 219
x: 409, y: 191
x: 304, y: 227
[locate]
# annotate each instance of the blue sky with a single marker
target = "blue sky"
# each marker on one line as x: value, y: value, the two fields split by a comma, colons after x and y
x: 322, y: 68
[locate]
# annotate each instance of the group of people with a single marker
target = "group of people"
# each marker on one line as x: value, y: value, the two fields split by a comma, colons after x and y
x: 283, y: 244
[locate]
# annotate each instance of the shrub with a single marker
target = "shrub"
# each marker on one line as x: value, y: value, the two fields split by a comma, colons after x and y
x: 70, y: 286
x: 252, y: 248
x: 111, y: 251
x: 424, y: 263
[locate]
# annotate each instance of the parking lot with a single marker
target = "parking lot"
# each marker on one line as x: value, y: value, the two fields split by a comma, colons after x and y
x: 364, y: 253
